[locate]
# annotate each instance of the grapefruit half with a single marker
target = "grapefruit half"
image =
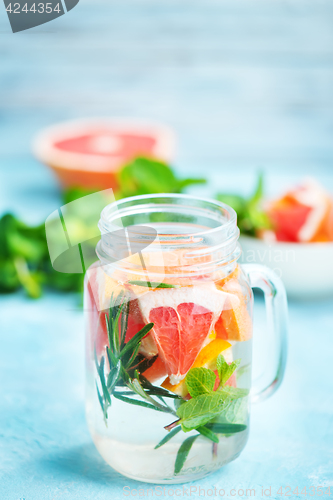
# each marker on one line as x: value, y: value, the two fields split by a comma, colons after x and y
x: 88, y: 153
x: 303, y: 214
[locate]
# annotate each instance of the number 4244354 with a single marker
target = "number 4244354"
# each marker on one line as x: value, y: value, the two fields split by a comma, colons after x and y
x: 310, y: 491
x: 35, y: 7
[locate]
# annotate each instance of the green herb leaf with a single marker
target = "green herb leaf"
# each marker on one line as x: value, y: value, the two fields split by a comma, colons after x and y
x: 224, y: 369
x: 200, y: 410
x: 236, y: 413
x: 148, y: 176
x: 169, y: 436
x: 157, y: 390
x: 234, y: 392
x: 143, y: 363
x: 113, y: 376
x: 124, y: 324
x: 200, y: 381
x: 152, y: 284
x: 225, y: 428
x: 259, y: 191
x: 100, y: 399
x: 113, y: 360
x: 132, y: 358
x: 135, y: 385
x: 208, y: 433
x: 238, y: 203
x: 131, y: 344
x: 183, y: 452
x: 103, y: 383
x: 136, y: 402
x: 251, y: 216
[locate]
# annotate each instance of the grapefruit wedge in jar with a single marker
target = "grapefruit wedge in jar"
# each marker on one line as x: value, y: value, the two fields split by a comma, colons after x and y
x: 169, y: 344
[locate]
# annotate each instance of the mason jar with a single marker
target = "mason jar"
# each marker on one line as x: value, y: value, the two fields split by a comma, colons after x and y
x: 169, y: 338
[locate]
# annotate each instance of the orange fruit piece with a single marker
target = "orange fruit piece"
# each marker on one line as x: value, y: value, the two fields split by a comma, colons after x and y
x: 235, y: 321
x: 206, y: 359
x: 208, y: 354
x: 180, y: 334
x: 303, y: 214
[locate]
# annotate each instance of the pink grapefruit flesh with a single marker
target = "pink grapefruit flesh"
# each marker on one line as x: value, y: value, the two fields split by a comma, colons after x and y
x: 179, y: 334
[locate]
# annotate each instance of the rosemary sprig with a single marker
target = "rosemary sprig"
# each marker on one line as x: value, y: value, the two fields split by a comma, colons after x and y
x: 126, y: 382
x: 127, y: 365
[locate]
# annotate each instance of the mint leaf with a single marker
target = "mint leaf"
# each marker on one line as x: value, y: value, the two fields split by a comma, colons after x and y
x: 148, y: 176
x: 251, y: 216
x: 200, y: 381
x: 224, y: 369
x: 201, y: 409
x: 236, y: 413
x: 238, y: 203
x: 259, y: 191
x: 234, y: 392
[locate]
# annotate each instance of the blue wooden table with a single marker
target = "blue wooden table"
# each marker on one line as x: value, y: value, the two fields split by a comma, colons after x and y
x: 245, y: 84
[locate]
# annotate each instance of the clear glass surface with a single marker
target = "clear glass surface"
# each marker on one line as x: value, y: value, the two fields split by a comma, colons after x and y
x: 169, y: 340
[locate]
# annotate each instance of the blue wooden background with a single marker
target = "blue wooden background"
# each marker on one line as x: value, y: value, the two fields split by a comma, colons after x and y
x: 246, y: 84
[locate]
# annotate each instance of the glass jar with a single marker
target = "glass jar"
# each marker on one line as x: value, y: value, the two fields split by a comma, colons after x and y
x: 169, y: 338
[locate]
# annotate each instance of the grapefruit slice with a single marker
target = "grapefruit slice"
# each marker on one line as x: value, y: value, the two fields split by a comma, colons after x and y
x: 235, y: 321
x: 100, y: 288
x: 156, y: 372
x: 302, y: 214
x: 88, y: 153
x: 179, y: 334
x: 183, y: 319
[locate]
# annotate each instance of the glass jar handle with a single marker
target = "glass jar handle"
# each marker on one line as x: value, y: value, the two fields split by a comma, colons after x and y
x: 277, y: 316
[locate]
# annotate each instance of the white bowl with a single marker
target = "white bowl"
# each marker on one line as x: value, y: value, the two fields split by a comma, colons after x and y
x: 305, y: 268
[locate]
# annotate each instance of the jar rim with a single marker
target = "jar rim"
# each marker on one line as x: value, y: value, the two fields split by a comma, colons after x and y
x: 203, y: 248
x: 118, y: 209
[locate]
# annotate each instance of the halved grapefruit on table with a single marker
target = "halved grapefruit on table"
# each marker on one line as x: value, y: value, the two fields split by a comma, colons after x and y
x: 88, y: 153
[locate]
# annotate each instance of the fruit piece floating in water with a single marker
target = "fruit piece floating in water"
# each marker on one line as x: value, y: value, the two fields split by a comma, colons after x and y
x: 207, y: 359
x: 156, y: 372
x: 101, y: 288
x: 183, y: 319
x: 235, y: 321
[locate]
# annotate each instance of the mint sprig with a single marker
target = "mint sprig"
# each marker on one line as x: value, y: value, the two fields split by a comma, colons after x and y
x: 225, y: 370
x: 200, y: 381
x: 251, y: 216
x: 201, y: 409
x: 206, y: 404
x: 209, y: 412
